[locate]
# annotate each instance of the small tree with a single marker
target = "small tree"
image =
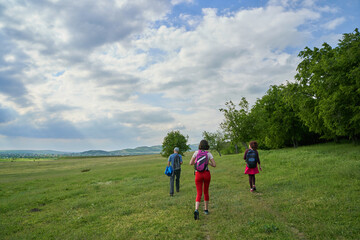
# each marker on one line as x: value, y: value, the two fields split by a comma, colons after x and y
x: 215, y: 140
x: 174, y: 139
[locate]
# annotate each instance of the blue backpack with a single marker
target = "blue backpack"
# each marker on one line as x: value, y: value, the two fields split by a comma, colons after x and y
x: 251, y: 159
x: 168, y: 171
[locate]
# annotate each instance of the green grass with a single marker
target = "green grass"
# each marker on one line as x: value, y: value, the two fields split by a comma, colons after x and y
x: 305, y: 193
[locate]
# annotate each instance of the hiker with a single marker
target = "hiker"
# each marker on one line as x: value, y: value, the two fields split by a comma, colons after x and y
x: 201, y: 159
x: 175, y: 160
x: 251, y: 157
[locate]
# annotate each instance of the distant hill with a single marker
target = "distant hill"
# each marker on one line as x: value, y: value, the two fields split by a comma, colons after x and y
x: 143, y: 150
x: 124, y: 152
x: 93, y: 153
x: 139, y: 150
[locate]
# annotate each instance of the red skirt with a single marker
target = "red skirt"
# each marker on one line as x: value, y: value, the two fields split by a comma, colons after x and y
x: 251, y: 170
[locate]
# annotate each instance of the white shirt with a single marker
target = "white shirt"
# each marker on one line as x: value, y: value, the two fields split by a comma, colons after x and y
x: 210, y: 156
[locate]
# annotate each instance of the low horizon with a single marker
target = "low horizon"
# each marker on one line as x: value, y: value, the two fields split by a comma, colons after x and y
x: 64, y: 151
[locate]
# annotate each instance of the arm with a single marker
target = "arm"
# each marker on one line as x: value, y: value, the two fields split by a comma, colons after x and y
x: 212, y: 162
x: 181, y: 161
x: 258, y: 160
x: 169, y: 161
x: 246, y: 151
x: 192, y: 161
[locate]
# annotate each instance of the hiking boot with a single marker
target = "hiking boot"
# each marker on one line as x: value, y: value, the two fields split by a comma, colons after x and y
x: 196, y: 215
x: 251, y: 189
x: 206, y: 212
x: 254, y: 188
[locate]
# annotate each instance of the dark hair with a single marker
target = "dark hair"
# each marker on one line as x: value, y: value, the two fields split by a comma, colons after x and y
x: 204, y: 145
x: 253, y: 145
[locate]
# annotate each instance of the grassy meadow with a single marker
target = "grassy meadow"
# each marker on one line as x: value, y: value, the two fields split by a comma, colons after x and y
x: 311, y: 192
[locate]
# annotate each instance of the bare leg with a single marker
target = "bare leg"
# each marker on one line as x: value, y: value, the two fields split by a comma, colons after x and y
x: 197, y: 204
x: 196, y: 213
x: 250, y: 180
x: 206, y: 205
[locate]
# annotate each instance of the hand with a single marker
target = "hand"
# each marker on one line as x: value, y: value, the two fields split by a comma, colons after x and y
x: 260, y: 168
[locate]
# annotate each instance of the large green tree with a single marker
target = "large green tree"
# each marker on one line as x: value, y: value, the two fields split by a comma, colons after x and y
x: 174, y: 139
x: 328, y: 88
x: 276, y: 124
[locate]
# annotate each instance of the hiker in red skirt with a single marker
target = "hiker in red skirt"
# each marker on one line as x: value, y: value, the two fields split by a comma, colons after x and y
x: 251, y: 157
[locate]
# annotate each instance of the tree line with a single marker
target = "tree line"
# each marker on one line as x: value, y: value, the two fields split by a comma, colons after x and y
x: 321, y: 104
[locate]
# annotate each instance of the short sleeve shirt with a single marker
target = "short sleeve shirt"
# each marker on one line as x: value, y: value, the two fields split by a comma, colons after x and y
x: 172, y: 157
x: 210, y: 156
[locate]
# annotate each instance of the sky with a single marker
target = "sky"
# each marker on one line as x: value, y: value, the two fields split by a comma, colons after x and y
x: 115, y: 74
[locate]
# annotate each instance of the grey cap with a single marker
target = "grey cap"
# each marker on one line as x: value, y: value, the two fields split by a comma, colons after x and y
x: 176, y: 149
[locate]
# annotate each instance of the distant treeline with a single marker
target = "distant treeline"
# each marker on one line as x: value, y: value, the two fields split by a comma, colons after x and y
x: 91, y: 153
x: 322, y: 104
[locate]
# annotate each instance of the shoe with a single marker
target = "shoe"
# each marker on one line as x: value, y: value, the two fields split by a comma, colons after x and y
x: 196, y: 215
x: 254, y: 188
x: 206, y: 212
x: 171, y: 195
x: 251, y: 190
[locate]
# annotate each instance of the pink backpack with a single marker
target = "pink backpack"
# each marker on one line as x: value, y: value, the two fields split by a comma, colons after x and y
x: 201, y: 161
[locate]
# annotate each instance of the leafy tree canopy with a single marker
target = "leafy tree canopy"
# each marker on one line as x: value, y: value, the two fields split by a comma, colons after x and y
x: 215, y: 140
x: 328, y: 88
x: 275, y: 121
x: 174, y: 139
x: 237, y: 124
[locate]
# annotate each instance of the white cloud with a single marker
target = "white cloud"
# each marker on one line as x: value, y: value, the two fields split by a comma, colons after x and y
x: 331, y: 25
x: 175, y: 2
x: 221, y: 49
x: 328, y: 9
